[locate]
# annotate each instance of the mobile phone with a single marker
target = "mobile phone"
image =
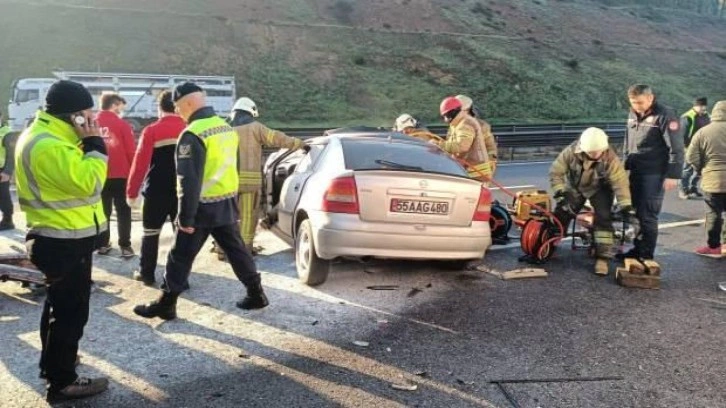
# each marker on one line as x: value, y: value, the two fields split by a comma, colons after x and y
x: 79, y: 120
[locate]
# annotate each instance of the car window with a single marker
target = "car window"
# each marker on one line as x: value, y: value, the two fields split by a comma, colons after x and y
x: 383, y: 155
x: 27, y: 95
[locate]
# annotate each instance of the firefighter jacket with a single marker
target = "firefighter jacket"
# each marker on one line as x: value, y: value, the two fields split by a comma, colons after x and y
x: 253, y: 137
x: 465, y: 141
x: 489, y: 141
x: 707, y: 152
x: 654, y: 143
x: 59, y: 179
x: 574, y: 171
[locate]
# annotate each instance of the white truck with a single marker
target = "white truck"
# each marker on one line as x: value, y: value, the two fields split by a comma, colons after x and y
x: 139, y: 90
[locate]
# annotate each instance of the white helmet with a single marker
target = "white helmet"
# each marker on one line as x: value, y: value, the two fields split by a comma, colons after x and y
x: 246, y: 104
x: 466, y: 102
x: 405, y: 121
x: 593, y: 140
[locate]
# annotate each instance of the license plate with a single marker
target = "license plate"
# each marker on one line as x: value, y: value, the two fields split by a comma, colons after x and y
x: 419, y: 207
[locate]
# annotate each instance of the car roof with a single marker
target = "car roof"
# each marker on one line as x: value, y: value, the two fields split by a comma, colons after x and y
x: 366, y: 132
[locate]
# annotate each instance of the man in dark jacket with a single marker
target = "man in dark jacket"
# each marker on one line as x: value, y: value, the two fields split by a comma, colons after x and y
x: 208, y: 184
x: 691, y: 122
x: 707, y: 155
x: 154, y: 169
x: 654, y: 156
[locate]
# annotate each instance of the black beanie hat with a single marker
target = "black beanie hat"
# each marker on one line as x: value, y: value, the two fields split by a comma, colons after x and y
x: 185, y: 89
x: 67, y: 97
x: 702, y: 101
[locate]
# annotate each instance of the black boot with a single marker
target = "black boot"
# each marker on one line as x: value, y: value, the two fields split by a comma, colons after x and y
x: 164, y: 307
x: 255, y: 298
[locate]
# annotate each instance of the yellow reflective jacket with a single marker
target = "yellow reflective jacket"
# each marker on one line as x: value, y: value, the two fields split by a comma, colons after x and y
x: 220, y: 180
x: 59, y: 183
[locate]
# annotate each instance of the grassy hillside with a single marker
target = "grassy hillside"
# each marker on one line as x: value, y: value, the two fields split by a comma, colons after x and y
x: 335, y: 62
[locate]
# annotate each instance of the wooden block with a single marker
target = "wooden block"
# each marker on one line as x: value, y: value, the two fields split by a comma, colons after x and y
x: 640, y: 281
x: 635, y: 267
x: 524, y: 273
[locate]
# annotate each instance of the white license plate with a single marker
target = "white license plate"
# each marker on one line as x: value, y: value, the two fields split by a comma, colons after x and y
x: 419, y: 207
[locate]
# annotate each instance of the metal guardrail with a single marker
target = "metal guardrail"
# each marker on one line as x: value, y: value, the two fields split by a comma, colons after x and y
x: 515, y: 136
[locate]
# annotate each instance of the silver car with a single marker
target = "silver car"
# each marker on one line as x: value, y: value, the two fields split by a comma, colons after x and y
x: 371, y: 193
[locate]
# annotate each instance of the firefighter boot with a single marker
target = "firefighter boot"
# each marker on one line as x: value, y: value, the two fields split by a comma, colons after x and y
x: 164, y: 307
x: 255, y: 298
x: 602, y: 266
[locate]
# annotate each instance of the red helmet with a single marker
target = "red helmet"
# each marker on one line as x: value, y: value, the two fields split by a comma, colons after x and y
x: 448, y: 104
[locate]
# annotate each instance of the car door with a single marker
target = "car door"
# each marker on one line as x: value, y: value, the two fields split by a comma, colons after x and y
x: 293, y: 188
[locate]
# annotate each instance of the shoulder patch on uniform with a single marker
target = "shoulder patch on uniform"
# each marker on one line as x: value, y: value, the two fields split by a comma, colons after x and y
x: 674, y: 125
x: 185, y: 151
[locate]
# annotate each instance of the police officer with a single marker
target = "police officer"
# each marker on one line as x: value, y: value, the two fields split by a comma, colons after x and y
x: 208, y: 185
x: 408, y: 125
x: 654, y: 156
x: 692, y: 121
x: 464, y: 139
x: 589, y: 169
x: 7, y: 166
x: 253, y: 137
x: 61, y: 168
x: 490, y: 142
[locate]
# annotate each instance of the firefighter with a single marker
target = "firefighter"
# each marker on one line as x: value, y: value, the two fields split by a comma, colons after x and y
x: 654, y: 155
x: 208, y: 185
x: 464, y: 139
x: 490, y: 142
x: 589, y: 169
x: 408, y: 125
x: 253, y: 137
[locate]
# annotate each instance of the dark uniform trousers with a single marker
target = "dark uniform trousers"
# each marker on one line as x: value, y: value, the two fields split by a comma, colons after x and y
x: 187, y: 246
x: 6, y: 202
x: 114, y: 195
x: 647, y: 194
x: 715, y: 207
x: 602, y: 203
x: 156, y: 211
x: 66, y: 264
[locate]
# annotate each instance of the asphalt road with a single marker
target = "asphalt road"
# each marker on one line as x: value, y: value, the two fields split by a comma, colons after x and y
x: 581, y: 340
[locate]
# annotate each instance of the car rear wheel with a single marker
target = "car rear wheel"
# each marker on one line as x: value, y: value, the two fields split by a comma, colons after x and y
x: 311, y: 270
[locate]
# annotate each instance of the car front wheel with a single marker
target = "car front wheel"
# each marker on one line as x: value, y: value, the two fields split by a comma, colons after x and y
x: 311, y: 269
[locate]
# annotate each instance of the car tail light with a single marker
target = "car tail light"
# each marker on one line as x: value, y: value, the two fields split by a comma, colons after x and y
x: 341, y: 196
x: 484, y: 206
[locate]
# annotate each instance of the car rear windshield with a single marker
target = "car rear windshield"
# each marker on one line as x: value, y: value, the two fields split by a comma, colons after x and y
x: 384, y: 155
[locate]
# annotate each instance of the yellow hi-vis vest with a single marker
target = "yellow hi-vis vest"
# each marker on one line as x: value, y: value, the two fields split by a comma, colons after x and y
x: 221, y: 180
x: 4, y: 131
x: 59, y: 186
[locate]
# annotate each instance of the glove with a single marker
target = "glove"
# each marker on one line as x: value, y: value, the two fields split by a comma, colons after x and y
x: 305, y: 147
x: 566, y: 201
x: 628, y: 214
x: 133, y: 203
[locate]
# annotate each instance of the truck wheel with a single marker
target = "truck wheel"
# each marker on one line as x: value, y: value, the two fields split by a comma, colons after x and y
x: 311, y: 270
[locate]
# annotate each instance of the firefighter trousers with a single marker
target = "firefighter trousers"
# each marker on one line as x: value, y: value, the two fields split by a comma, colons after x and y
x: 604, y: 233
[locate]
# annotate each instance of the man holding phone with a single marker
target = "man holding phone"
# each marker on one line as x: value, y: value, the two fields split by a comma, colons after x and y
x: 61, y: 166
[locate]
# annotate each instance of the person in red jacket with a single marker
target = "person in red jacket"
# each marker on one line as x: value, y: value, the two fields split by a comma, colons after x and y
x: 119, y: 138
x: 153, y: 175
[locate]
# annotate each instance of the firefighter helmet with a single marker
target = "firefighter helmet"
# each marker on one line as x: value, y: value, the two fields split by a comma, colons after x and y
x: 593, y: 140
x: 405, y: 121
x: 246, y: 104
x: 449, y: 104
x: 466, y: 102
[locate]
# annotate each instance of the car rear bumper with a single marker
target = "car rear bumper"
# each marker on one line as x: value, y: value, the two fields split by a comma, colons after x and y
x: 337, y: 235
